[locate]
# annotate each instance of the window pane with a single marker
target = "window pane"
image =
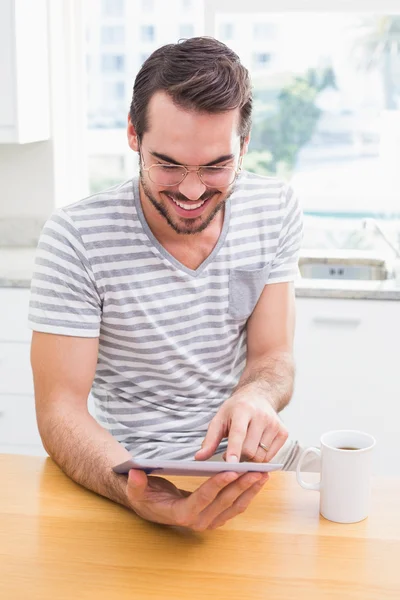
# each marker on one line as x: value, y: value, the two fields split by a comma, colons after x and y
x: 147, y: 5
x: 226, y: 31
x: 147, y: 33
x: 112, y: 62
x: 186, y: 30
x: 113, y: 8
x: 261, y: 60
x: 120, y: 37
x: 112, y: 35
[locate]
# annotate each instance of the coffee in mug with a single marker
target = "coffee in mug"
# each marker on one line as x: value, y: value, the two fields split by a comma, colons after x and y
x: 346, y: 465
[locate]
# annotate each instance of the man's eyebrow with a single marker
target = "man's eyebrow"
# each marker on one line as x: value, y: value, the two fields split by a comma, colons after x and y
x: 168, y: 159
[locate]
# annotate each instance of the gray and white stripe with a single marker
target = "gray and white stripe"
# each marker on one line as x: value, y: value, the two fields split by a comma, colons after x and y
x: 172, y: 341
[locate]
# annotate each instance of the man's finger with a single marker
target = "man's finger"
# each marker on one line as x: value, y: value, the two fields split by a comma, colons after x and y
x: 240, y: 504
x: 214, y: 435
x: 137, y: 485
x: 251, y: 443
x: 277, y: 444
x: 201, y: 498
x: 267, y: 438
x: 237, y: 435
x: 226, y: 499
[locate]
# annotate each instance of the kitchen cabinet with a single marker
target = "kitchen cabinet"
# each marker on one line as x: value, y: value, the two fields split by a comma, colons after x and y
x: 24, y: 71
x: 18, y: 429
x: 348, y: 377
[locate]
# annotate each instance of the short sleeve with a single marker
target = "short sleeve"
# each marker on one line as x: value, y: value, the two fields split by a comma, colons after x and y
x: 64, y: 298
x: 285, y: 263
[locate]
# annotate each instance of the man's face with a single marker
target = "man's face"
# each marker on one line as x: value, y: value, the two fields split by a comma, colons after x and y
x: 176, y: 136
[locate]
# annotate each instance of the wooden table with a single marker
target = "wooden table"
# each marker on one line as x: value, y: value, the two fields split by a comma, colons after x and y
x: 60, y: 542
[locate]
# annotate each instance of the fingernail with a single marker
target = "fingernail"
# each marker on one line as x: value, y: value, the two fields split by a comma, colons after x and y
x: 232, y: 458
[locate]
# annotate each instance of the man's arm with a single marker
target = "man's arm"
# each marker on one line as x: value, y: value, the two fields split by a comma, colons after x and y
x: 250, y: 416
x: 63, y: 370
x: 270, y: 333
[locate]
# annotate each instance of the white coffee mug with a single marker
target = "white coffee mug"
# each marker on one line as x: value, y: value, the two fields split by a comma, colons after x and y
x: 346, y: 467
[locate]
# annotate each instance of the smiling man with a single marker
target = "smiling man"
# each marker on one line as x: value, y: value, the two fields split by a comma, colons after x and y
x: 170, y: 298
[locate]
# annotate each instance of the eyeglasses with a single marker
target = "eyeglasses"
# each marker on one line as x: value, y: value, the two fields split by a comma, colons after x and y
x: 172, y: 175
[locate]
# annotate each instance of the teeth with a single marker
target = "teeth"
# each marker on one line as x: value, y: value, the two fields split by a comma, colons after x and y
x: 188, y: 206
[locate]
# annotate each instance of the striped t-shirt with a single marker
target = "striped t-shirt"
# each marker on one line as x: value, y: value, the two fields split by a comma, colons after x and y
x: 172, y: 341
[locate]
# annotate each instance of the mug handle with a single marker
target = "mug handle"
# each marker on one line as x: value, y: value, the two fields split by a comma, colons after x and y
x: 304, y: 484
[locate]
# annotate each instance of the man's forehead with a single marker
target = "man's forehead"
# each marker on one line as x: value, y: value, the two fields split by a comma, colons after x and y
x: 189, y: 137
x: 163, y: 114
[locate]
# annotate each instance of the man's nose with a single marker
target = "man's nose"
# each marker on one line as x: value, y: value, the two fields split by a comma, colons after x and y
x: 192, y: 187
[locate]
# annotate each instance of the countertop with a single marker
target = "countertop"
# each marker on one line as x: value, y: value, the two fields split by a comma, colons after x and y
x: 58, y: 540
x: 16, y: 266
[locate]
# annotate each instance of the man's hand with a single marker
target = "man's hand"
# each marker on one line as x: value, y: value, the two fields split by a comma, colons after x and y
x: 246, y: 419
x: 217, y: 500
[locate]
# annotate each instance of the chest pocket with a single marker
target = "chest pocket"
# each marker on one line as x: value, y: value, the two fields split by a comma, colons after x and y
x: 245, y: 287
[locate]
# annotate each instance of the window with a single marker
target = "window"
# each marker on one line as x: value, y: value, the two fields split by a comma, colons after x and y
x: 261, y: 60
x: 186, y: 30
x: 326, y: 109
x: 119, y: 90
x: 326, y: 87
x: 113, y: 8
x: 112, y: 62
x: 147, y: 33
x: 112, y: 34
x: 147, y: 5
x: 227, y: 31
x: 264, y: 31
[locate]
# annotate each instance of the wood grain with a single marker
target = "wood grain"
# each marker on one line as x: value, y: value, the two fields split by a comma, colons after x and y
x: 60, y: 541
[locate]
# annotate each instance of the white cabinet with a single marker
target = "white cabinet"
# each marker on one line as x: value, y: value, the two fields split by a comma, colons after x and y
x: 24, y: 71
x: 348, y: 373
x: 18, y: 428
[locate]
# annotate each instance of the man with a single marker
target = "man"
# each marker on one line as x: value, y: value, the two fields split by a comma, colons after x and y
x: 170, y: 299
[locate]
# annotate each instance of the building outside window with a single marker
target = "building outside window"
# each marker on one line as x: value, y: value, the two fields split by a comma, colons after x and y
x: 186, y: 30
x: 264, y: 31
x: 227, y: 31
x: 112, y: 62
x: 113, y: 8
x: 261, y: 60
x: 147, y: 5
x: 112, y: 34
x: 147, y: 33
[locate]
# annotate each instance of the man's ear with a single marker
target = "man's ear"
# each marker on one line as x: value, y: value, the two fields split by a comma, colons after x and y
x: 133, y: 139
x: 245, y: 145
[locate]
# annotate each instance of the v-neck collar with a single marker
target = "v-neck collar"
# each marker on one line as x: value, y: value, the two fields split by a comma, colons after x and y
x: 164, y: 252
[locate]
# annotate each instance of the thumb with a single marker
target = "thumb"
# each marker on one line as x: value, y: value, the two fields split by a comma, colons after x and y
x: 137, y: 484
x: 214, y: 435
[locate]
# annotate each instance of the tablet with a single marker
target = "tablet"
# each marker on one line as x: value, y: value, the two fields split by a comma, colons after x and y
x: 192, y: 468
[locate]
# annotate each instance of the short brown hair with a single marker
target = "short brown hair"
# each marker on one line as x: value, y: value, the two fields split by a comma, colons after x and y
x: 200, y: 74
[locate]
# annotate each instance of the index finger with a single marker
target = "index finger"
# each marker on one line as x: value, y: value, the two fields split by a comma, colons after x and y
x: 237, y: 435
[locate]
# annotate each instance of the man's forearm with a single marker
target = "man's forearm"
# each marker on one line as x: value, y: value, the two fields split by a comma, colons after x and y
x: 85, y: 451
x: 272, y: 374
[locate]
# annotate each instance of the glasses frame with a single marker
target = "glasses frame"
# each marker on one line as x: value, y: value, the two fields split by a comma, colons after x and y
x: 198, y: 171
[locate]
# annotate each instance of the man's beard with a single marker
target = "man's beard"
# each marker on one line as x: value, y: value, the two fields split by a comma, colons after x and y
x: 189, y: 227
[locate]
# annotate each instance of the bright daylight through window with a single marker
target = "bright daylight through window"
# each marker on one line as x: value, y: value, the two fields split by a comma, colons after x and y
x: 326, y: 110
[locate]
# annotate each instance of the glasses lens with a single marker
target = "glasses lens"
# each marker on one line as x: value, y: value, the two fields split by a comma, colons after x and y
x: 217, y: 176
x: 166, y: 174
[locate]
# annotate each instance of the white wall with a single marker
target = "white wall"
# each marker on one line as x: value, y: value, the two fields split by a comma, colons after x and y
x: 27, y: 191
